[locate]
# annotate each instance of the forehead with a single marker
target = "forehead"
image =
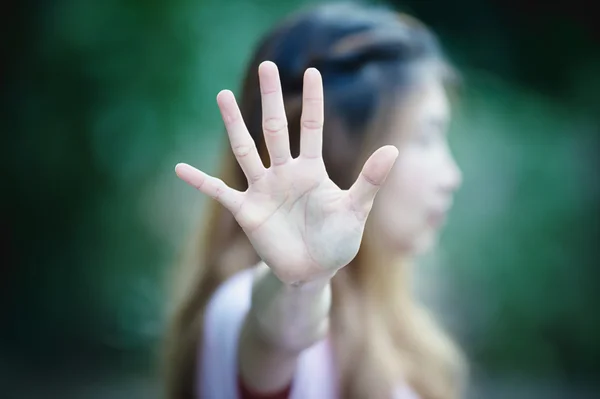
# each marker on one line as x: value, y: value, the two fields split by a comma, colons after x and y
x: 426, y: 103
x: 428, y: 99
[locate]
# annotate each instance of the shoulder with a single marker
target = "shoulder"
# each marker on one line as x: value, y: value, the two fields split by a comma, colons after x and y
x: 403, y: 391
x: 223, y: 319
x: 228, y: 306
x: 233, y: 294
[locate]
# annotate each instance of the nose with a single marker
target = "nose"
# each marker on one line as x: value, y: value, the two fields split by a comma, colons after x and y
x: 452, y: 176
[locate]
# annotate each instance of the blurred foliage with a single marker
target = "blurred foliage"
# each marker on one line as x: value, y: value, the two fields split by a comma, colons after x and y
x: 103, y: 98
x: 523, y: 245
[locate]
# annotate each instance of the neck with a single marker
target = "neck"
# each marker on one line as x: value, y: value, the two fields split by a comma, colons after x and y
x: 385, y: 272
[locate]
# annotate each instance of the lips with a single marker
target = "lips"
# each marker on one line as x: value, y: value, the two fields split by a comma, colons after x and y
x: 437, y: 218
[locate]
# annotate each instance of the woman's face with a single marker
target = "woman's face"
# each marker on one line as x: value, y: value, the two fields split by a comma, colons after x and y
x: 412, y: 205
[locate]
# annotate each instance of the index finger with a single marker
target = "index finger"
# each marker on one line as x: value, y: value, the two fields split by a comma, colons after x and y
x: 241, y: 142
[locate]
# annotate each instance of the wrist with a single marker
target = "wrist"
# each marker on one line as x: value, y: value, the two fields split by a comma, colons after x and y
x: 293, y: 282
x: 289, y: 317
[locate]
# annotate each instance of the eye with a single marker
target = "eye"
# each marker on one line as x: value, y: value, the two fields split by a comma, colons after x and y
x: 431, y: 132
x: 425, y: 137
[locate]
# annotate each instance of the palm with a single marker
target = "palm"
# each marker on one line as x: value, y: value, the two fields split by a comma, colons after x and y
x: 299, y: 222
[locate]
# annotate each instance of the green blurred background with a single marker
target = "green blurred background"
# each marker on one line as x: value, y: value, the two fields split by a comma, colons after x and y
x: 102, y: 98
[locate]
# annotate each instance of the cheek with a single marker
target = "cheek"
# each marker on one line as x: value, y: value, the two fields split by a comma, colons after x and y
x: 399, y: 205
x: 400, y: 213
x: 410, y: 182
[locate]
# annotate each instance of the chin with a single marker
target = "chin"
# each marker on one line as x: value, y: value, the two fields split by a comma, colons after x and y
x: 419, y: 244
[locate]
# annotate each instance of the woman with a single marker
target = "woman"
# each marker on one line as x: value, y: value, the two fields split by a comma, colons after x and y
x: 294, y: 291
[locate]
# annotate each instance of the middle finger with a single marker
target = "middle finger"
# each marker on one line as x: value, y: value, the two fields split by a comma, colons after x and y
x: 273, y: 110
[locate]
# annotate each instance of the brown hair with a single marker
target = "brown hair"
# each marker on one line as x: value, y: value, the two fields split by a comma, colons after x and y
x: 381, y: 335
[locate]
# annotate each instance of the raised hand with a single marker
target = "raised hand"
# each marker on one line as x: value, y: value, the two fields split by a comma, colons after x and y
x: 300, y: 223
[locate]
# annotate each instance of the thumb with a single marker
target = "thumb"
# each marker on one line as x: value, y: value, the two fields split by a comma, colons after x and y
x: 211, y: 186
x: 371, y: 178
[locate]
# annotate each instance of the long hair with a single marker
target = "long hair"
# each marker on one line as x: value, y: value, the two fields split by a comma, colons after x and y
x: 381, y: 335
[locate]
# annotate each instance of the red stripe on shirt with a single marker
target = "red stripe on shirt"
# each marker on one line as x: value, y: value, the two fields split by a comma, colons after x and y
x: 246, y: 393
